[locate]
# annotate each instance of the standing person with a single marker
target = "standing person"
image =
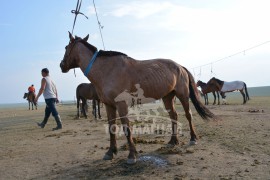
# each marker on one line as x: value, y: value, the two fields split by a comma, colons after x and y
x: 48, y: 89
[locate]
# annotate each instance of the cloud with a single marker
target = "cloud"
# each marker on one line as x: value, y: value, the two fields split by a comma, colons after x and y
x: 90, y: 10
x: 140, y: 9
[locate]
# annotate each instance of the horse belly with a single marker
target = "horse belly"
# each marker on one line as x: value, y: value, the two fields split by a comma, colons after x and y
x: 232, y: 86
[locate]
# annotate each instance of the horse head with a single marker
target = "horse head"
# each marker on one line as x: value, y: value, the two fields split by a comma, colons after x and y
x: 25, y: 95
x: 199, y: 82
x: 71, y: 59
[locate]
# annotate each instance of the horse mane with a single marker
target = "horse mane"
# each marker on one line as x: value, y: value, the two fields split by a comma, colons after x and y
x: 218, y: 81
x: 89, y: 46
x: 110, y: 53
x: 101, y: 52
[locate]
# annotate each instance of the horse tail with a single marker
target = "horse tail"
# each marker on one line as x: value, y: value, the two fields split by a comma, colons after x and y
x: 246, y: 91
x: 193, y: 94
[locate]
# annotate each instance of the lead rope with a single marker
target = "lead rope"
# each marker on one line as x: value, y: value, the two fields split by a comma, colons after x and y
x: 99, y: 25
x: 76, y: 12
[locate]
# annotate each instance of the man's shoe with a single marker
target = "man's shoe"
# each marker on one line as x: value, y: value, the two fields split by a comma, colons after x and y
x: 58, y: 122
x: 57, y: 128
x: 41, y: 125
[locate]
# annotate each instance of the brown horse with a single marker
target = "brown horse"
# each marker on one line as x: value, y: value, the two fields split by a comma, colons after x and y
x: 224, y: 86
x: 113, y: 73
x: 30, y: 97
x: 86, y: 91
x: 206, y: 90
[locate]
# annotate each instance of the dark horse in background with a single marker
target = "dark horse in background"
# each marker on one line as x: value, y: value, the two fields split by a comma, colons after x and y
x: 114, y: 73
x: 30, y: 97
x: 224, y: 87
x: 86, y: 91
x: 205, y: 92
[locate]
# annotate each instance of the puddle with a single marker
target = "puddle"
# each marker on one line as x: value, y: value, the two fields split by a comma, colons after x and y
x: 154, y: 160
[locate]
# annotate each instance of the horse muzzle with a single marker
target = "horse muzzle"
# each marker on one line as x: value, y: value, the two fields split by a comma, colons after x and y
x: 63, y: 67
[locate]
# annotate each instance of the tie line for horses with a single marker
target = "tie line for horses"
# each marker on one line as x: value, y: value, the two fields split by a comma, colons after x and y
x: 227, y: 57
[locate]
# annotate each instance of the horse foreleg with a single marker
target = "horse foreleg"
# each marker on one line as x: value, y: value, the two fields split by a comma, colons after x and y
x: 29, y: 105
x: 214, y: 94
x: 122, y: 108
x: 218, y: 98
x: 169, y: 106
x: 111, y: 114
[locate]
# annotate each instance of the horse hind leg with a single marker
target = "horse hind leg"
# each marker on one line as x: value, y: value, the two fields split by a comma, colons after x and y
x: 83, y: 108
x: 185, y: 103
x: 244, y: 96
x: 78, y: 108
x: 98, y: 102
x: 169, y: 106
x: 218, y: 98
x: 94, y: 110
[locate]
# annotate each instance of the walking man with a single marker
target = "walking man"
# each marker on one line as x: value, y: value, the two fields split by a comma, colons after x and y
x: 48, y: 89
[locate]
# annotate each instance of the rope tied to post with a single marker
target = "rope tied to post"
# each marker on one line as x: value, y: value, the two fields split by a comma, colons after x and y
x: 76, y: 12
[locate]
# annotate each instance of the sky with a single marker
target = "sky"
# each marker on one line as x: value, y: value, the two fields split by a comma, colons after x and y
x: 192, y: 33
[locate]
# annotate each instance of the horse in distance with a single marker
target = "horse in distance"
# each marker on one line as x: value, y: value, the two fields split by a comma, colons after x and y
x: 206, y: 90
x: 114, y: 72
x: 30, y: 97
x: 224, y: 87
x: 85, y: 91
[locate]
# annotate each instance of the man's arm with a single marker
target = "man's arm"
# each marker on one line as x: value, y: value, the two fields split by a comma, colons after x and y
x: 42, y: 88
x: 56, y: 93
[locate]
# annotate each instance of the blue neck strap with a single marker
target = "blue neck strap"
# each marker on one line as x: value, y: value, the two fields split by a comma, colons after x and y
x: 86, y: 72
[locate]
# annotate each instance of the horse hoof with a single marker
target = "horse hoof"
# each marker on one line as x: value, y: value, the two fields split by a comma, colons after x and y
x: 170, y: 145
x: 131, y: 161
x: 191, y: 143
x: 107, y: 157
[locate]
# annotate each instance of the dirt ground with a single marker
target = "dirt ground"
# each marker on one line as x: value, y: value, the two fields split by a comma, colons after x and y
x: 236, y: 147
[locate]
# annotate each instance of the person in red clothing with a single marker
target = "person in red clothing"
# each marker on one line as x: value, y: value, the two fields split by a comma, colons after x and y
x: 31, y: 89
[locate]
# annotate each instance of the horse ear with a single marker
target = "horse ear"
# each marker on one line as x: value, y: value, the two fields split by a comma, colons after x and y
x: 70, y: 36
x: 86, y: 38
